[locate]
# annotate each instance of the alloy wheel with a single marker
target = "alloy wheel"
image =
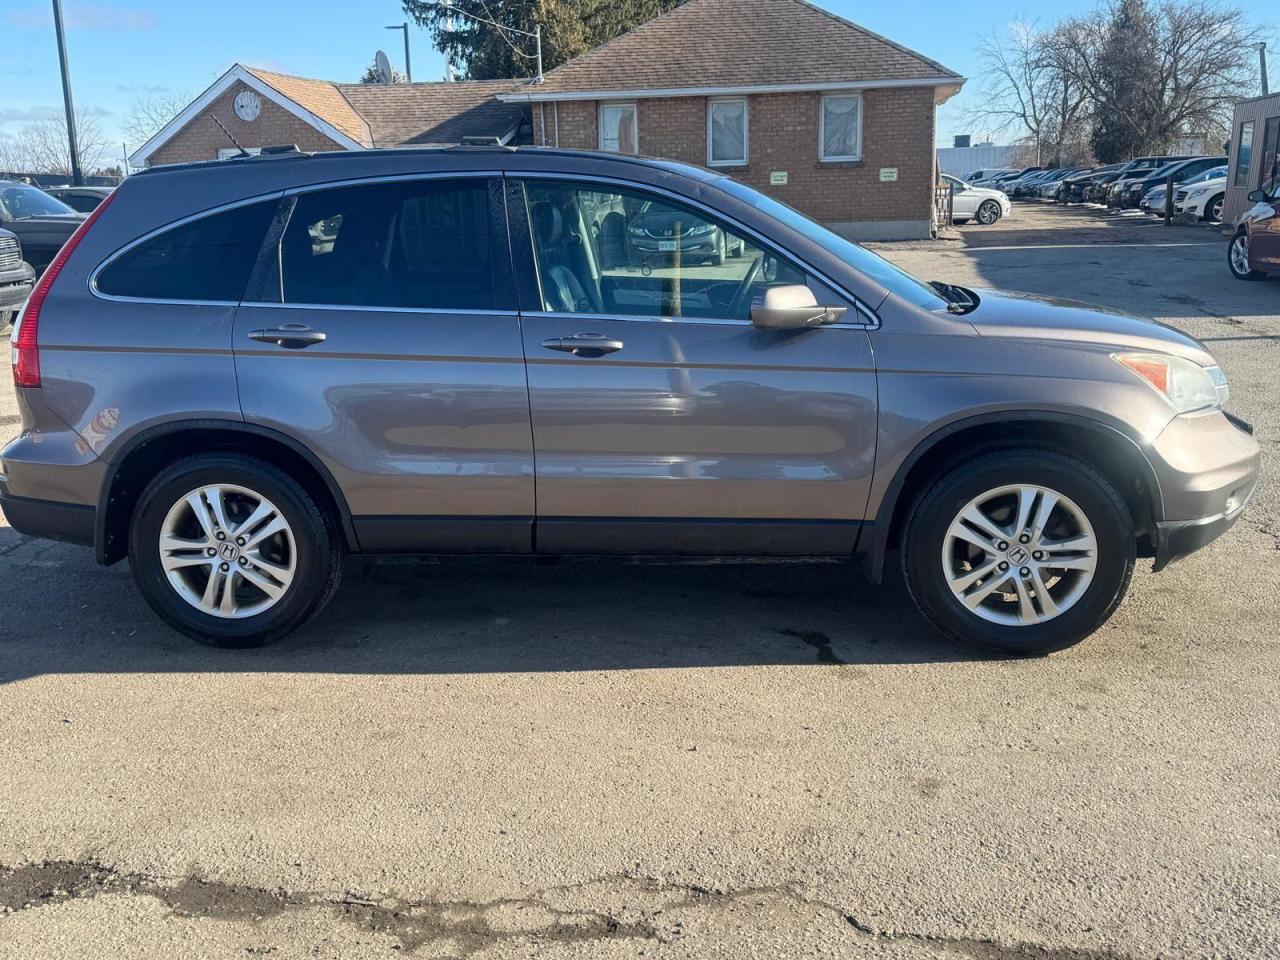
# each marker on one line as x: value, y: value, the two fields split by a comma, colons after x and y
x: 228, y: 551
x: 1215, y: 211
x: 1240, y: 255
x: 1019, y: 555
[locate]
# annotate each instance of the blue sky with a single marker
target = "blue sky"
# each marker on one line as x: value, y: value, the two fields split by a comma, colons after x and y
x: 122, y: 50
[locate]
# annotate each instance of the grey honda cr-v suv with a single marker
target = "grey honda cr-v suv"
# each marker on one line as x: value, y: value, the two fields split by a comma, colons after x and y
x: 236, y: 373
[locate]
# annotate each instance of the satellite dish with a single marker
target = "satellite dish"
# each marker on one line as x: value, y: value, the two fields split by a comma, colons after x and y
x: 384, y: 68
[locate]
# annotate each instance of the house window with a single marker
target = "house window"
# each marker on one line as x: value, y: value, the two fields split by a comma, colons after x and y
x: 726, y: 133
x: 1244, y: 154
x: 618, y: 132
x: 840, y: 127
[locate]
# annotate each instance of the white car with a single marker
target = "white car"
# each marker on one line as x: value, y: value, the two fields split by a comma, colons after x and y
x: 976, y: 203
x: 1203, y: 200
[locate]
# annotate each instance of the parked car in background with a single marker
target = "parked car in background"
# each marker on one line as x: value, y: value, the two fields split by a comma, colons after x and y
x: 979, y: 177
x: 1203, y: 198
x: 1049, y: 189
x: 1254, y: 251
x: 1024, y: 185
x: 1072, y: 189
x: 187, y: 359
x: 1132, y: 172
x: 41, y: 223
x: 976, y: 203
x: 16, y: 278
x: 1155, y: 199
x: 1179, y: 170
x: 80, y: 199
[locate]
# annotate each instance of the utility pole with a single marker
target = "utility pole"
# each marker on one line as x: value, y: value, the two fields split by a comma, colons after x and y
x: 76, y: 177
x: 408, y: 70
x: 1262, y: 63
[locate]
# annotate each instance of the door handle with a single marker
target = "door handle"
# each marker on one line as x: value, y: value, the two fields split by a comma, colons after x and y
x: 585, y: 344
x: 291, y: 336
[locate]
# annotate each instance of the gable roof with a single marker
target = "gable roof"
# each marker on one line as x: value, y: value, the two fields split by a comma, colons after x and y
x: 332, y: 117
x: 739, y: 45
x: 400, y: 114
x: 321, y: 98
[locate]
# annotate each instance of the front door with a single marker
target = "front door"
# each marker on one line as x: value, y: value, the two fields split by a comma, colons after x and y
x: 1264, y: 242
x: 386, y: 341
x: 663, y: 421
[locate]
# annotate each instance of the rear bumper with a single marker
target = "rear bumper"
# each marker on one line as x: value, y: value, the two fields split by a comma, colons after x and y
x: 48, y: 519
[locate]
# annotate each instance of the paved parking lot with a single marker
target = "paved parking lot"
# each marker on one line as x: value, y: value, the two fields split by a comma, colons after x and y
x: 595, y: 761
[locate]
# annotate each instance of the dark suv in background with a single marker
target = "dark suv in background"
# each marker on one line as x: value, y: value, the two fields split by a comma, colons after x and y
x: 235, y: 373
x: 41, y: 223
x: 16, y: 278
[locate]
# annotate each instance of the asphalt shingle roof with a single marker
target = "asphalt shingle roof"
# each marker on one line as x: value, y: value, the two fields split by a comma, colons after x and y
x: 322, y: 98
x: 417, y: 113
x: 739, y: 43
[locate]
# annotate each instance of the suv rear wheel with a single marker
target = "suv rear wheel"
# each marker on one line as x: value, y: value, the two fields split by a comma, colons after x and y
x: 233, y: 552
x: 1023, y: 552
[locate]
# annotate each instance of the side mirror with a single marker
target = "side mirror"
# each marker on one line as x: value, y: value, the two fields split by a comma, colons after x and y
x: 791, y: 307
x: 1258, y: 196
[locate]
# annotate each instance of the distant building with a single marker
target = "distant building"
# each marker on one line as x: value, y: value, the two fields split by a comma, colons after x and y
x: 831, y: 118
x: 960, y: 161
x: 1255, y: 152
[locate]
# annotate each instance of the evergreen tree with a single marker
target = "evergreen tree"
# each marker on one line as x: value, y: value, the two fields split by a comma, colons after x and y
x: 569, y: 27
x: 1129, y: 77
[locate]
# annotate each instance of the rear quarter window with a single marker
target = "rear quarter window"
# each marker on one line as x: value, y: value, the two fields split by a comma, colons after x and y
x: 207, y: 259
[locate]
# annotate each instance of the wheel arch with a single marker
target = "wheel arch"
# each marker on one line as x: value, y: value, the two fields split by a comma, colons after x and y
x: 1106, y: 448
x: 149, y: 451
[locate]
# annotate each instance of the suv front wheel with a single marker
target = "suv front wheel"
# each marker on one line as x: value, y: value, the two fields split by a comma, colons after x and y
x: 1022, y: 552
x: 232, y: 551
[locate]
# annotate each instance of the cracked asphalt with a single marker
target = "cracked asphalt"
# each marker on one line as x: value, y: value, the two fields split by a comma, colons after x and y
x: 587, y: 760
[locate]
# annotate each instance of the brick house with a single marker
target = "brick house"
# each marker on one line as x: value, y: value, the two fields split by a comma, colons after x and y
x: 827, y: 116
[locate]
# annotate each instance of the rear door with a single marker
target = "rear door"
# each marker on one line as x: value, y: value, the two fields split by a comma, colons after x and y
x: 385, y: 338
x: 664, y: 422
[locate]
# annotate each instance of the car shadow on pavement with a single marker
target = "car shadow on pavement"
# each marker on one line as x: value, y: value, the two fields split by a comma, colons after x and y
x: 480, y: 616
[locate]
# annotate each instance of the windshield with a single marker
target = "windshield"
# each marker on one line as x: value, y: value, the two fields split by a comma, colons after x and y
x: 20, y: 202
x: 860, y: 258
x: 1213, y: 173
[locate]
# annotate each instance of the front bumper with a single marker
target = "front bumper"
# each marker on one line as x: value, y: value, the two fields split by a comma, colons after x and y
x: 15, y: 287
x: 1208, y: 469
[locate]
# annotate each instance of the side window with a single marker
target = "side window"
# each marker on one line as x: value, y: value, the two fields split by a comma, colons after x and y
x: 625, y: 253
x: 1244, y: 154
x: 726, y: 132
x: 840, y: 127
x: 206, y: 259
x: 618, y: 132
x: 422, y: 244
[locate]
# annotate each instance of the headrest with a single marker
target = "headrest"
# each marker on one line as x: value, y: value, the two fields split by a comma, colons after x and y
x: 548, y: 224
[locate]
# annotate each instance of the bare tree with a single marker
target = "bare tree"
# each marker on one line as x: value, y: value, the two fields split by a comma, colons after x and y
x: 41, y: 146
x: 1156, y: 73
x: 150, y: 113
x: 1027, y: 91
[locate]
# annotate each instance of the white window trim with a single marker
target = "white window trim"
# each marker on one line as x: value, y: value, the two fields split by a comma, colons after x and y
x: 635, y: 123
x: 226, y: 153
x: 822, y: 127
x: 746, y: 132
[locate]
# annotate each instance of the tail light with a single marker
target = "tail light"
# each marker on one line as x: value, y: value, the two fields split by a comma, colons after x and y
x: 26, y: 347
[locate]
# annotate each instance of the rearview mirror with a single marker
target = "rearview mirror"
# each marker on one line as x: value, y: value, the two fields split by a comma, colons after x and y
x: 791, y: 307
x: 1258, y: 196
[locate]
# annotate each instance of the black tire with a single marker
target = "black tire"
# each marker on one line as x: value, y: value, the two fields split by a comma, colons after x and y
x: 1213, y: 209
x: 722, y: 249
x: 959, y: 221
x: 988, y: 213
x: 956, y: 486
x: 316, y: 534
x: 1241, y: 238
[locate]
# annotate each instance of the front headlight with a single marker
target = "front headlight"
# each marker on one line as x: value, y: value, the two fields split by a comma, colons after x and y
x: 701, y: 229
x: 1186, y: 385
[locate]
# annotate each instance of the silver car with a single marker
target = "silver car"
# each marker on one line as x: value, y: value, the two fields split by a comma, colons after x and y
x: 235, y: 374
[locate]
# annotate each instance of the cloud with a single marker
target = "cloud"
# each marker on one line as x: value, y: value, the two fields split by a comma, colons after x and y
x: 87, y: 16
x: 20, y: 115
x: 142, y: 88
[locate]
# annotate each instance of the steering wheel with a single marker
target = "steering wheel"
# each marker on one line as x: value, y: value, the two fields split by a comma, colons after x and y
x: 744, y: 289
